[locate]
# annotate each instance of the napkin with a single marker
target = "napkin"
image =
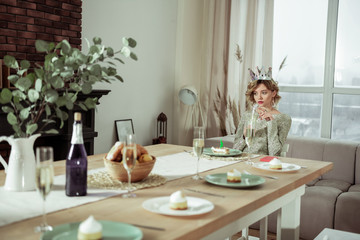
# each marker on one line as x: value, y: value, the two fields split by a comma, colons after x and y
x: 267, y: 158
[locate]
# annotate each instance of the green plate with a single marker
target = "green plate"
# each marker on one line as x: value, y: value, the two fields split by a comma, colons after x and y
x: 111, y: 230
x: 246, y: 180
x: 232, y: 152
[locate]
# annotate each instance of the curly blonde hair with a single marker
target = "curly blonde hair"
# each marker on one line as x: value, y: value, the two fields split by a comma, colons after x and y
x: 269, y: 84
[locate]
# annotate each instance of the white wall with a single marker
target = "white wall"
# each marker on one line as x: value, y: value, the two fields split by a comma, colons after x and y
x: 148, y: 87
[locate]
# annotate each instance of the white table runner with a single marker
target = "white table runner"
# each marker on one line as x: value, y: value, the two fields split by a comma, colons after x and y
x: 17, y: 206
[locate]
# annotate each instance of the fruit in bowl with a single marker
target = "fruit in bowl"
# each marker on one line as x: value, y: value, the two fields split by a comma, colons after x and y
x: 114, y: 165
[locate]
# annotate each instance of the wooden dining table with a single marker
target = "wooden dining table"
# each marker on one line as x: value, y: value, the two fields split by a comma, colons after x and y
x: 236, y: 210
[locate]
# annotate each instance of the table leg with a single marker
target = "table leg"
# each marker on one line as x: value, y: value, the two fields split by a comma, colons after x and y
x: 263, y: 228
x: 290, y: 219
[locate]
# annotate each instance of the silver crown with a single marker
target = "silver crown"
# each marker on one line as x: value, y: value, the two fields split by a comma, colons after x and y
x: 261, y: 75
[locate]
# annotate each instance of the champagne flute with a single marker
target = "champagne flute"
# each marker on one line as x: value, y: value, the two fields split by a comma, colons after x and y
x: 129, y: 161
x: 249, y: 137
x: 198, y: 148
x: 44, y: 180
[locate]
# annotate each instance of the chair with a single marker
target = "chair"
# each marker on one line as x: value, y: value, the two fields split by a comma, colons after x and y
x: 284, y: 150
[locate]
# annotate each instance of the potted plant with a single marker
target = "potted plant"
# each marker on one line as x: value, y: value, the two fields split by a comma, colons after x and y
x: 43, y: 94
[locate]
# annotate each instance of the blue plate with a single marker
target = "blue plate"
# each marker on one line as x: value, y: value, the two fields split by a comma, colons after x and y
x: 111, y: 230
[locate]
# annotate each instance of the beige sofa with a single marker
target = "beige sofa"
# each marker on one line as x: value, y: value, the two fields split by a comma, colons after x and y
x: 332, y: 201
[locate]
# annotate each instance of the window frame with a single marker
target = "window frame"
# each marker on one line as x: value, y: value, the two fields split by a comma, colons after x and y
x: 328, y: 90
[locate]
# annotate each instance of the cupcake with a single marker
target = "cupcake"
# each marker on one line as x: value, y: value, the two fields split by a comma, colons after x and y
x: 90, y: 229
x: 275, y: 164
x: 178, y: 201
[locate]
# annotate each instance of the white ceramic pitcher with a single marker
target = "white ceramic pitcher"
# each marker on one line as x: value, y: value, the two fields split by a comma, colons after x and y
x: 20, y: 172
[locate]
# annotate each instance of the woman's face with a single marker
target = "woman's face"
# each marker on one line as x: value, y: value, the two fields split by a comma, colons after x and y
x: 263, y: 96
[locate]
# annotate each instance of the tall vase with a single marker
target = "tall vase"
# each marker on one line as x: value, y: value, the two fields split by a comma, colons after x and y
x: 20, y: 172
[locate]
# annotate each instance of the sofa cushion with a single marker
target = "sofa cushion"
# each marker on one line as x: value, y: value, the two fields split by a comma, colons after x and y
x: 342, y: 154
x: 347, y: 212
x: 306, y: 148
x: 354, y: 188
x: 313, y: 182
x: 317, y: 210
x: 341, y: 185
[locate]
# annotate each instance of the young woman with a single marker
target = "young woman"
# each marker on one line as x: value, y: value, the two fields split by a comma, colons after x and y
x: 271, y: 126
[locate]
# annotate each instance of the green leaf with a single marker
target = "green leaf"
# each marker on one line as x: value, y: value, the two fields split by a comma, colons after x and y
x: 38, y: 85
x: 33, y: 95
x: 39, y: 73
x: 57, y: 82
x: 47, y: 110
x: 5, y: 96
x: 69, y: 105
x: 23, y: 83
x: 52, y: 131
x: 17, y: 130
x: 51, y: 96
x: 86, y: 88
x: 83, y: 107
x: 19, y: 94
x: 110, y: 51
x: 125, y: 41
x: 119, y: 78
x: 75, y: 87
x: 7, y: 109
x: 95, y: 70
x: 121, y: 61
x: 11, y: 118
x: 47, y: 121
x: 132, y: 42
x: 25, y: 64
x: 65, y: 47
x: 125, y: 51
x: 24, y: 113
x: 13, y: 79
x: 93, y: 79
x: 11, y: 62
x: 61, y: 101
x: 41, y: 45
x: 90, y: 102
x: 97, y: 40
x: 31, y: 128
x: 133, y: 56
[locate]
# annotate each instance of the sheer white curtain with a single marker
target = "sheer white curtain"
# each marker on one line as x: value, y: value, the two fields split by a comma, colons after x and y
x: 207, y: 34
x: 251, y: 28
x: 201, y: 58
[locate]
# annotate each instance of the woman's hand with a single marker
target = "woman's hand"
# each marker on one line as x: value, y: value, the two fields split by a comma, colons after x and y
x: 264, y: 113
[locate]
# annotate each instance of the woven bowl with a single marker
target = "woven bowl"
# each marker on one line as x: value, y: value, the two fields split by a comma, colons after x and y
x: 118, y: 172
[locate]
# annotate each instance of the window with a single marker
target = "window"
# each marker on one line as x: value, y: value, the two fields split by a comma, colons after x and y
x: 320, y: 83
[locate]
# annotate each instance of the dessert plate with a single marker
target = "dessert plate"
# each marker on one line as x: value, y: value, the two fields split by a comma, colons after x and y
x: 232, y: 152
x: 286, y: 167
x: 196, y: 206
x: 246, y: 180
x: 111, y: 230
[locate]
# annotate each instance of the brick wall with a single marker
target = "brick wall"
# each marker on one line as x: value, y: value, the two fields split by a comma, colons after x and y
x: 22, y: 22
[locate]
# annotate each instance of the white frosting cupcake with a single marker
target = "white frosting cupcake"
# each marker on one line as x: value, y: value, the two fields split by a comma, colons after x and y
x: 90, y: 229
x: 233, y: 176
x: 275, y: 164
x: 178, y: 200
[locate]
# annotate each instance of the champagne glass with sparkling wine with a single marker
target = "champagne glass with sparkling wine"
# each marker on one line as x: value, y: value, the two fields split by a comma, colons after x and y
x: 249, y: 136
x: 129, y: 161
x: 198, y: 148
x: 44, y: 180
